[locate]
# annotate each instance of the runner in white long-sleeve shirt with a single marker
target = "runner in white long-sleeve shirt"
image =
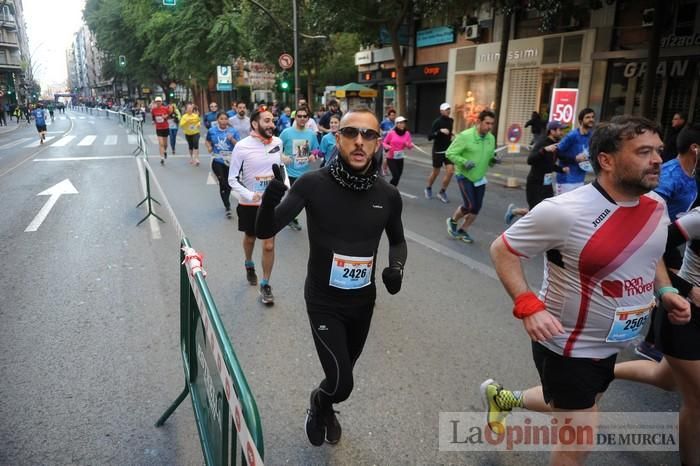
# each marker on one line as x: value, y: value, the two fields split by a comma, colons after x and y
x: 249, y: 174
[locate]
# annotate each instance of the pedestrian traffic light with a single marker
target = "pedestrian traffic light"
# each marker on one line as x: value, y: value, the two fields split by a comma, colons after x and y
x: 122, y: 60
x: 171, y: 94
x: 284, y: 82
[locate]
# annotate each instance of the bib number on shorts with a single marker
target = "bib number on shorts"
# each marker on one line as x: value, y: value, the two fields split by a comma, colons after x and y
x: 399, y: 154
x: 628, y: 323
x: 547, y: 179
x: 350, y: 273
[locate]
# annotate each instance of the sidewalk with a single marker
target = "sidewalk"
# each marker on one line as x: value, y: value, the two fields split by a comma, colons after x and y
x: 513, y: 166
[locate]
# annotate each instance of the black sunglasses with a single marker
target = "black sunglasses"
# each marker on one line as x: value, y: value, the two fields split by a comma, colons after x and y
x: 301, y: 116
x: 351, y: 132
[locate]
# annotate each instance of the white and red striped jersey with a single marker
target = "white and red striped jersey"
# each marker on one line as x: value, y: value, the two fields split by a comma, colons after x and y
x: 600, y: 267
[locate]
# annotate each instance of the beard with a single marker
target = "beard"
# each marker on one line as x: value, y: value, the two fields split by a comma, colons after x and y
x: 266, y: 133
x: 637, y: 185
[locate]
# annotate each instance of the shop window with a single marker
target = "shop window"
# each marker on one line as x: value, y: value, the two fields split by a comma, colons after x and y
x: 551, y: 49
x: 473, y: 93
x: 466, y: 59
x: 573, y: 46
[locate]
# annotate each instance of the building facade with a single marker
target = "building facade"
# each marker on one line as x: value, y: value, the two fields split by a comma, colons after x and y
x: 15, y: 63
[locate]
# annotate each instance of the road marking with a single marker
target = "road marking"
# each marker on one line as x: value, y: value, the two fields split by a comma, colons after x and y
x: 37, y: 143
x: 111, y: 140
x: 56, y: 191
x: 15, y: 143
x: 80, y: 159
x: 153, y: 138
x: 81, y: 118
x: 87, y: 140
x: 468, y: 261
x: 410, y: 196
x: 65, y: 140
x: 131, y: 139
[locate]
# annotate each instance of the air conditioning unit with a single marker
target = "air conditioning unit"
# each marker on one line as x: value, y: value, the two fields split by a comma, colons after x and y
x: 471, y: 31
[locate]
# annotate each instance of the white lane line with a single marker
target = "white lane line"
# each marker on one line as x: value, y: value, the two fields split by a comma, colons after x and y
x: 87, y: 140
x: 81, y: 118
x: 131, y: 139
x: 152, y: 221
x: 111, y: 140
x: 16, y: 143
x: 410, y: 196
x: 468, y: 261
x: 37, y: 143
x: 80, y: 159
x: 153, y: 138
x: 65, y: 140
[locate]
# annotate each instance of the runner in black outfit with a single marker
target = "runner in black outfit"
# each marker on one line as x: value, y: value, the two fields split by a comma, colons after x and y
x: 347, y: 207
x: 538, y: 186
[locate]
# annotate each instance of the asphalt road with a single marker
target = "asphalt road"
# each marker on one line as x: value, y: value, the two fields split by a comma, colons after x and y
x: 89, y: 335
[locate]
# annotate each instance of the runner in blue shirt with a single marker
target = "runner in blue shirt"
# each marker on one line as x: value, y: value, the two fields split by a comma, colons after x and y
x: 572, y: 152
x: 300, y: 146
x: 211, y: 116
x: 220, y: 141
x: 328, y: 141
x: 40, y: 120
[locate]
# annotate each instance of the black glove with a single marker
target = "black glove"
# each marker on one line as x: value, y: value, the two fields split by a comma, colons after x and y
x: 274, y: 192
x: 392, y: 277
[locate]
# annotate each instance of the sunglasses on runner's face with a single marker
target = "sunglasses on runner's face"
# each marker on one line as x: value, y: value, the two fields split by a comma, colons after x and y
x: 301, y: 116
x: 351, y: 132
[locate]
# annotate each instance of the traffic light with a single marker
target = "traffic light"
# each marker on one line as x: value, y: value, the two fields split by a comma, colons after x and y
x: 169, y: 2
x: 284, y: 82
x: 122, y: 60
x: 171, y: 94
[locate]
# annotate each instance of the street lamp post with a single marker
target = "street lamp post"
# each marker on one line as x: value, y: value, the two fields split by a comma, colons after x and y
x: 296, y: 53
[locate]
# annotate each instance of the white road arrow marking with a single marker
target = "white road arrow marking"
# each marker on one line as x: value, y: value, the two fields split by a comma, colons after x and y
x: 56, y: 191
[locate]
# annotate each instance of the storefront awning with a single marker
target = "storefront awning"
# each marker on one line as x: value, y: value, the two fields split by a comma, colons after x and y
x: 354, y: 90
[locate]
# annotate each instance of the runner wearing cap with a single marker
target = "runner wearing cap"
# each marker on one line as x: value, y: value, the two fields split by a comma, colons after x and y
x: 395, y: 144
x: 542, y: 167
x: 160, y: 115
x: 441, y: 134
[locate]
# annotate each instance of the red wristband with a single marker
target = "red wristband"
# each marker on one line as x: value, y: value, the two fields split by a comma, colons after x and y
x: 527, y: 304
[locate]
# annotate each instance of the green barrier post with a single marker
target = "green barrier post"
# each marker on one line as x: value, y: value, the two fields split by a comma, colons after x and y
x: 224, y: 407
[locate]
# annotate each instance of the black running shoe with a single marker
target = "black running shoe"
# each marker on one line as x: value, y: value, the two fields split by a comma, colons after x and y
x: 251, y: 276
x: 228, y: 213
x: 266, y: 295
x: 333, y: 430
x: 315, y: 429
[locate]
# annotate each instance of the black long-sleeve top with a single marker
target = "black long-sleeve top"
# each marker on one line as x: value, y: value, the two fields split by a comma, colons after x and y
x: 340, y: 221
x: 542, y: 162
x: 442, y: 140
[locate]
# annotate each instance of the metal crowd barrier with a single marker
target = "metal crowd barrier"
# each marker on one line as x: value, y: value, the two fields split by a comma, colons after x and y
x: 225, y: 410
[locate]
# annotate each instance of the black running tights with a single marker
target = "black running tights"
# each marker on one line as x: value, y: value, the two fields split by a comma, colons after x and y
x: 339, y: 336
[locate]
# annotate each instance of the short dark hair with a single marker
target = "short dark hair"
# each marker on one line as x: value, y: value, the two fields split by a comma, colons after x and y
x: 221, y: 112
x: 688, y: 136
x: 391, y: 110
x: 486, y: 113
x: 303, y: 108
x: 681, y: 115
x: 582, y: 114
x: 255, y: 116
x: 608, y: 136
x: 332, y: 102
x: 361, y: 109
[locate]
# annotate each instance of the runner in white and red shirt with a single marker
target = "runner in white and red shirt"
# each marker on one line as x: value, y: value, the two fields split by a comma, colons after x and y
x: 603, y: 244
x: 249, y: 174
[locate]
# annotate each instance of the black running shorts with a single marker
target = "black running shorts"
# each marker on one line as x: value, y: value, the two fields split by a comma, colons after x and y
x: 678, y: 341
x: 162, y: 133
x: 246, y: 218
x: 572, y: 383
x: 41, y: 128
x: 439, y: 159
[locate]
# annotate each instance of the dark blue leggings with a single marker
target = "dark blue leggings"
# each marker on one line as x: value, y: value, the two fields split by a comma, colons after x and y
x: 472, y: 196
